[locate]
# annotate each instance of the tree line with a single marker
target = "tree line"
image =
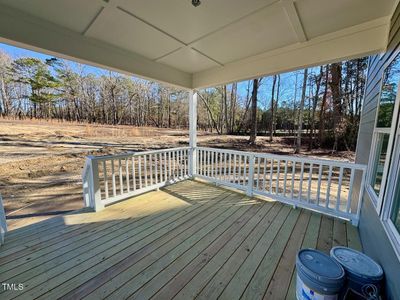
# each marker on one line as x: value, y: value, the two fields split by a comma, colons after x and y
x: 322, y: 109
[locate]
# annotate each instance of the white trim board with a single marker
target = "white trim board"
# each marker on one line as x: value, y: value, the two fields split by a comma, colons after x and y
x: 356, y: 41
x: 23, y: 30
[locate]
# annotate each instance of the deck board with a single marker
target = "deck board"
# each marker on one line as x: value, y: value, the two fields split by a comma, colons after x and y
x: 188, y: 240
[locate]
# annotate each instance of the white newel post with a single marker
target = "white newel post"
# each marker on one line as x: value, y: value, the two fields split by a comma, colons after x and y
x: 95, y: 192
x: 192, y: 132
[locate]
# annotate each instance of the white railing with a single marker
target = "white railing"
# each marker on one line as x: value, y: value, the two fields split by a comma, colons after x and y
x: 322, y: 185
x: 111, y: 178
x: 326, y: 186
x: 3, y: 223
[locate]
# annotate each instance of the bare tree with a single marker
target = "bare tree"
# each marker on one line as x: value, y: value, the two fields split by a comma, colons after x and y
x: 253, y: 119
x: 271, y: 128
x: 335, y: 70
x: 301, y: 107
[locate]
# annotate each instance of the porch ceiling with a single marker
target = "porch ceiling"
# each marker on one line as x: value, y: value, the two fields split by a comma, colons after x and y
x: 218, y: 42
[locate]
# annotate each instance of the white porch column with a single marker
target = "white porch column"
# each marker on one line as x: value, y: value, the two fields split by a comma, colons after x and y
x: 192, y: 131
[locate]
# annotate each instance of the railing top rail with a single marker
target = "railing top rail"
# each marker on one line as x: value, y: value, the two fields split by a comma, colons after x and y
x: 130, y: 154
x: 327, y: 162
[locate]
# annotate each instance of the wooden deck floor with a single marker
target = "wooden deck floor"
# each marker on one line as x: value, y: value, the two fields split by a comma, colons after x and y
x: 189, y: 240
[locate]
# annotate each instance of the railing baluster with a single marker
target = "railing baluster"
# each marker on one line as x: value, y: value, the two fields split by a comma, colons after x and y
x: 151, y: 168
x: 217, y: 166
x: 184, y: 161
x: 172, y: 166
x: 239, y: 168
x: 309, y: 183
x: 225, y: 165
x: 208, y: 164
x: 178, y: 164
x: 121, y: 183
x: 165, y: 167
x: 339, y: 189
x: 278, y: 173
x: 133, y: 173
x: 113, y: 178
x: 301, y: 181
x: 181, y: 162
x: 285, y: 179
x: 265, y: 175
x: 234, y: 168
x: 140, y: 172
x: 204, y: 162
x: 271, y: 171
x: 221, y: 166
x: 229, y: 167
x: 213, y: 164
x: 128, y: 186
x: 200, y: 163
x: 244, y: 169
x: 328, y: 191
x: 105, y: 178
x: 145, y: 169
x: 155, y: 169
x: 169, y: 166
x: 293, y: 174
x: 319, y: 183
x: 350, y: 196
x: 250, y: 183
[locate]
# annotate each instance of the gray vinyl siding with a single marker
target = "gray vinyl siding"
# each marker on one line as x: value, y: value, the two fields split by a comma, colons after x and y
x: 373, y: 236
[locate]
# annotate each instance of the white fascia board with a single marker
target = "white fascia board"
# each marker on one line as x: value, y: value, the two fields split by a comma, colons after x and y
x: 23, y: 30
x: 356, y: 41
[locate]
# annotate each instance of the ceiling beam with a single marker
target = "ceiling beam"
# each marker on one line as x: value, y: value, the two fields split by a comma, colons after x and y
x: 357, y: 41
x: 294, y: 19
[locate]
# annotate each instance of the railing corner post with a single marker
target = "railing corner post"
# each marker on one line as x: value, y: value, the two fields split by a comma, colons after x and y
x: 94, y: 188
x: 250, y: 183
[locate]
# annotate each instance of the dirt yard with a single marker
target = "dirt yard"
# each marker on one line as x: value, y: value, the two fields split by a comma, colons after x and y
x: 41, y: 161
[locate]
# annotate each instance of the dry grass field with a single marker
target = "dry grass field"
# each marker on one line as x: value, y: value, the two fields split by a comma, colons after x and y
x: 41, y: 161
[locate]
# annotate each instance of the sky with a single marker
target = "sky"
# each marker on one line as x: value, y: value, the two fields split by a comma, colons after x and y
x: 16, y: 52
x: 287, y: 90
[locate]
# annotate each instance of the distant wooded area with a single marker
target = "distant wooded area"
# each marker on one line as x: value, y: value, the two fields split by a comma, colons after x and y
x: 323, y: 109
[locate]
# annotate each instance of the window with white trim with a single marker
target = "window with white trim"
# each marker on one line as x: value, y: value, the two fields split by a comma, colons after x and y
x: 381, y: 142
x: 391, y: 209
x: 384, y: 167
x: 395, y: 209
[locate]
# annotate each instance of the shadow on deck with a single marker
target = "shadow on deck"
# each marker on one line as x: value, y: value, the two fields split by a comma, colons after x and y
x: 188, y: 240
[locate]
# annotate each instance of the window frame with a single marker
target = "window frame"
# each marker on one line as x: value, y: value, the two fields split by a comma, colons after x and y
x: 377, y: 200
x: 391, y: 230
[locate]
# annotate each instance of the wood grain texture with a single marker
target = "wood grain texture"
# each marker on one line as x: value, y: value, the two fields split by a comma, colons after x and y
x: 188, y: 240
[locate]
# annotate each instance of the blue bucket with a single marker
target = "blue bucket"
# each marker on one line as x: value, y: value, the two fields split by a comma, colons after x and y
x: 318, y: 276
x: 364, y: 275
